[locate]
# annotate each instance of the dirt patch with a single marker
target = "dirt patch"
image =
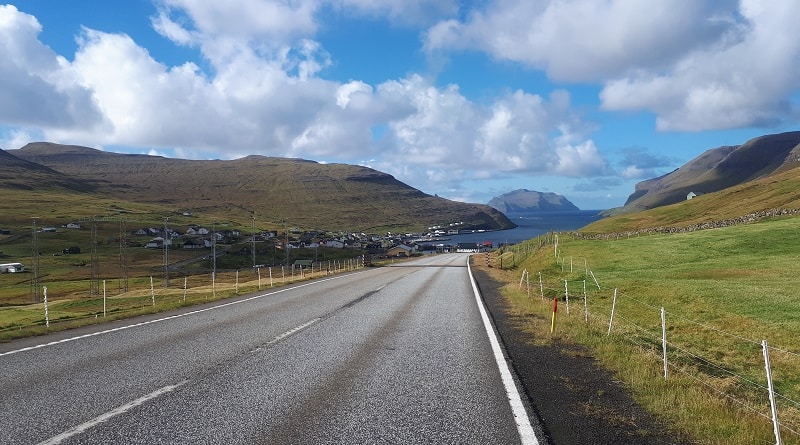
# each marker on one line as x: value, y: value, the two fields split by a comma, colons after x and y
x: 576, y: 400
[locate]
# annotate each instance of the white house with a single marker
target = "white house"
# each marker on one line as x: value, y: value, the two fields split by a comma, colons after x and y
x: 155, y: 243
x: 691, y: 195
x: 11, y: 267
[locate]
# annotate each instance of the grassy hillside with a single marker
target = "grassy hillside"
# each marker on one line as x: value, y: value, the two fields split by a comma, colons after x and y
x: 779, y: 190
x: 717, y: 169
x: 306, y: 193
x: 723, y: 290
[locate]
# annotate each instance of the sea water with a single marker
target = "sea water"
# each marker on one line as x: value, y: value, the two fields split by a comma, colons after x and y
x: 530, y: 225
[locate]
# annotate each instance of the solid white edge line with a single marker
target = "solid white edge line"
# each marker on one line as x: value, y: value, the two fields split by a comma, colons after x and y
x: 524, y: 427
x: 114, y: 412
x: 198, y: 311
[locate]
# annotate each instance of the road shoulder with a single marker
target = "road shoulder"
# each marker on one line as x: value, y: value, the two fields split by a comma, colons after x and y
x: 576, y: 400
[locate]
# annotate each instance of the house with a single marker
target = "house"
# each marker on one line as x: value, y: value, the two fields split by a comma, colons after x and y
x: 11, y: 267
x: 195, y: 243
x: 400, y: 251
x: 73, y: 226
x: 303, y: 264
x: 155, y: 243
x: 691, y: 195
x: 5, y: 232
x: 71, y: 250
x: 469, y: 248
x: 336, y: 244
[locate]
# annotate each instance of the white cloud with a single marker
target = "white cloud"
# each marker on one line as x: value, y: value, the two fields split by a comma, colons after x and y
x: 579, y: 160
x: 243, y: 20
x: 38, y: 88
x: 584, y: 40
x: 416, y: 12
x: 698, y: 65
x: 745, y: 81
x: 18, y: 138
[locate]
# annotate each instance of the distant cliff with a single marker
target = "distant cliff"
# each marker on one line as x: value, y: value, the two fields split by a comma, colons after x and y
x: 718, y: 169
x: 527, y: 201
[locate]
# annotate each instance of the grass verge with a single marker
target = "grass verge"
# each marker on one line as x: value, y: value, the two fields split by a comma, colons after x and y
x: 723, y: 292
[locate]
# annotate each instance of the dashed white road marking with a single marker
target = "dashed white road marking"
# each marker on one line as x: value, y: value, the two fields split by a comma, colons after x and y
x: 172, y: 317
x: 114, y: 412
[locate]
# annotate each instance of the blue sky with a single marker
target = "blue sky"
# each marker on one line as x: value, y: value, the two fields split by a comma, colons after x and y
x: 463, y: 99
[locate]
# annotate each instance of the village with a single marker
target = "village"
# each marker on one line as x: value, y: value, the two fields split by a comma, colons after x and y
x: 304, y: 244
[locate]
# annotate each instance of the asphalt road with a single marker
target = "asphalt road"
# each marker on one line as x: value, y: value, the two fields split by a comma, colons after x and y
x: 391, y: 355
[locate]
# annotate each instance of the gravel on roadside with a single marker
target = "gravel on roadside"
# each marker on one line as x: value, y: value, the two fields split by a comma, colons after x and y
x: 575, y: 400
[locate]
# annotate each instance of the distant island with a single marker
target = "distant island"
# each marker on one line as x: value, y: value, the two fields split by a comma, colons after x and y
x: 530, y: 201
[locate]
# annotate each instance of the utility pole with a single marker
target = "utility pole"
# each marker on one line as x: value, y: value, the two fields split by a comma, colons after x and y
x: 286, y: 246
x: 94, y: 284
x: 214, y: 248
x: 254, y: 240
x: 167, y: 242
x: 35, y: 265
x: 123, y: 256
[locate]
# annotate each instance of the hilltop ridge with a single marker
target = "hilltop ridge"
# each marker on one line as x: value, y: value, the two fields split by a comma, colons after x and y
x: 305, y: 192
x: 717, y: 169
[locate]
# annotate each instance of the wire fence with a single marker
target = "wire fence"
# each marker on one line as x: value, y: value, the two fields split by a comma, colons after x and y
x: 155, y: 294
x: 760, y: 380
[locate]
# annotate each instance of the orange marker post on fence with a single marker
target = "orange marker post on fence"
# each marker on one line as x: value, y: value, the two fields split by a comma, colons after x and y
x: 553, y: 321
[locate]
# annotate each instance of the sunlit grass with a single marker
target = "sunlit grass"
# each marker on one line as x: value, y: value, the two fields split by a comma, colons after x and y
x: 724, y: 290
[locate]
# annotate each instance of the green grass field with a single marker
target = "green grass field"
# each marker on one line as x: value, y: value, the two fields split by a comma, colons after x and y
x: 724, y: 291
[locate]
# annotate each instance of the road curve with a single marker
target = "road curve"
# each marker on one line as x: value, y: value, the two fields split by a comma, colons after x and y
x: 389, y: 355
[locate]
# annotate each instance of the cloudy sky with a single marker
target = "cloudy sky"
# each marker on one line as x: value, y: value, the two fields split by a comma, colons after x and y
x: 464, y: 99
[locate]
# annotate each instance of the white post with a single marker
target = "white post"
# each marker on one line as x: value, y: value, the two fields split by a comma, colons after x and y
x: 259, y: 278
x: 214, y: 284
x: 555, y: 246
x: 585, y: 304
x: 585, y: 267
x: 237, y: 282
x: 773, y: 406
x: 541, y: 288
x: 283, y: 273
x: 570, y: 264
x: 104, y: 298
x: 270, y: 276
x: 184, y: 289
x: 152, y: 291
x: 46, y: 313
x: 566, y: 295
x: 522, y: 278
x: 664, y: 339
x: 613, y: 306
x: 528, y: 283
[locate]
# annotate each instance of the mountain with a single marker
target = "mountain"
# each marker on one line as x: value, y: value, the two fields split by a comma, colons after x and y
x: 304, y: 193
x: 526, y: 201
x: 20, y: 174
x: 717, y: 169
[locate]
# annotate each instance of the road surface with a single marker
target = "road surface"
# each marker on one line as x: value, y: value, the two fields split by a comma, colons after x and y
x: 390, y: 355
